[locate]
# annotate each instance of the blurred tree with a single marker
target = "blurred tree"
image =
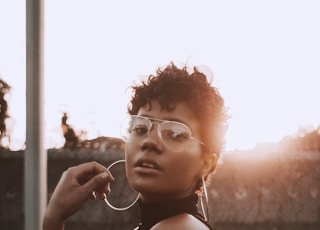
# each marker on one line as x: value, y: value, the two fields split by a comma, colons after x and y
x: 4, y: 89
x: 306, y: 139
x: 311, y: 140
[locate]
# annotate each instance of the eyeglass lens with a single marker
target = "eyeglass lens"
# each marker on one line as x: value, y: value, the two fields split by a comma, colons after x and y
x: 174, y: 135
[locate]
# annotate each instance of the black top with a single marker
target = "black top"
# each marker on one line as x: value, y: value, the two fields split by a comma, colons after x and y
x: 152, y: 213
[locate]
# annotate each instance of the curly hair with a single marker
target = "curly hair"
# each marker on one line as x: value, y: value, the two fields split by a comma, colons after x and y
x: 171, y: 85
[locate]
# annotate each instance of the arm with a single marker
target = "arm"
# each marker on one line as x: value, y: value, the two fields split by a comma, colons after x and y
x: 76, y: 186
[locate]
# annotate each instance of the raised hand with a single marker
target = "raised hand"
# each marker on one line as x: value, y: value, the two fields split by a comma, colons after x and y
x: 76, y: 186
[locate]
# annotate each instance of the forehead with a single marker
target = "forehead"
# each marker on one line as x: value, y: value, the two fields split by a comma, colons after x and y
x: 181, y: 113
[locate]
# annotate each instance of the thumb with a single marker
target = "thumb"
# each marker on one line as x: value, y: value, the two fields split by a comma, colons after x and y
x: 99, y: 183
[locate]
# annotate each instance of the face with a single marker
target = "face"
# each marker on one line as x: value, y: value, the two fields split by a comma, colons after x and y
x: 157, y: 172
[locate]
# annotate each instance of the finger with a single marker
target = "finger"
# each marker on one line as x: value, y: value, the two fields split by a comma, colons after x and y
x: 99, y: 183
x: 90, y: 168
x: 102, y: 196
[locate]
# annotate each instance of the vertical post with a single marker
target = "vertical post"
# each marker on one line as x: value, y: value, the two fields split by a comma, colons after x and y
x: 35, y: 194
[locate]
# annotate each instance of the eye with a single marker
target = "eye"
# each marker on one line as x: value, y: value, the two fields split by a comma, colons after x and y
x: 175, y: 135
x: 139, y: 130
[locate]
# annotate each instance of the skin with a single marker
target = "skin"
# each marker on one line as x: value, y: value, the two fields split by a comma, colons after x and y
x: 177, y: 172
x: 183, y: 221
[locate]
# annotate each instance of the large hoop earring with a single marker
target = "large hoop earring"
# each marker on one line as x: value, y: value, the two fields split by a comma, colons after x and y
x: 118, y: 208
x: 204, y: 200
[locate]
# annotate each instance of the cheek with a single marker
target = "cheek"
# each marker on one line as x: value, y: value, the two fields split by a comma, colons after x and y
x: 186, y: 166
x: 129, y: 159
x: 129, y: 151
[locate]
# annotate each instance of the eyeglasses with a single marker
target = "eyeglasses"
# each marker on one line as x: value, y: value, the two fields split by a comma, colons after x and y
x: 176, y: 136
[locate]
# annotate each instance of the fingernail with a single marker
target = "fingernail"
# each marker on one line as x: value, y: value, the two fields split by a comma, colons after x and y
x: 109, y: 188
x: 93, y: 195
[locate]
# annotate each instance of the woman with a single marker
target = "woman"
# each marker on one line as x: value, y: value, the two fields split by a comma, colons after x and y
x: 175, y: 137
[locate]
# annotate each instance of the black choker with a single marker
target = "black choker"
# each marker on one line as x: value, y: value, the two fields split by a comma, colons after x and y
x: 154, y: 212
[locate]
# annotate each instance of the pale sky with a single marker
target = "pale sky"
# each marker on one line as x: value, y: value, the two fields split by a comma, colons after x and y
x: 265, y: 57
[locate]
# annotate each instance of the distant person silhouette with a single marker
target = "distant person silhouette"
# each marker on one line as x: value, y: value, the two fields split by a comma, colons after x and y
x: 71, y: 139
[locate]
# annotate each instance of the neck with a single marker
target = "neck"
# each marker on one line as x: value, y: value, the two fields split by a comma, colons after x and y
x: 154, y: 198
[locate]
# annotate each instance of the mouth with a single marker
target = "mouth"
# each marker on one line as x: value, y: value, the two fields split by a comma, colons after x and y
x: 147, y: 164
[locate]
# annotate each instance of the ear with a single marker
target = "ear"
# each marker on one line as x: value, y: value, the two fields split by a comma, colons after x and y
x: 209, y: 164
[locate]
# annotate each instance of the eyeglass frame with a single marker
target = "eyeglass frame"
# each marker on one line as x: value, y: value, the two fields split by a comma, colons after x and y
x: 159, y: 135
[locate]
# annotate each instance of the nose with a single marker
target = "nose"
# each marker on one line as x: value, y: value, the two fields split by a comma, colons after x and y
x: 152, y: 141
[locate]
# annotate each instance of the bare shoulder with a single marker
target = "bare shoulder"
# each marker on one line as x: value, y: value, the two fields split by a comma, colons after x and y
x: 183, y: 221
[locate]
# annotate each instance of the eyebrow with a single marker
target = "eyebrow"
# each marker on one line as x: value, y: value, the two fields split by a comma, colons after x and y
x: 166, y: 119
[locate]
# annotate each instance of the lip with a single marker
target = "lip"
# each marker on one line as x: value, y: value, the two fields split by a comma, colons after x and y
x: 147, y: 165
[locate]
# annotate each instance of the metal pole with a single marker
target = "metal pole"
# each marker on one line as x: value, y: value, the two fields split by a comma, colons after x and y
x: 35, y: 198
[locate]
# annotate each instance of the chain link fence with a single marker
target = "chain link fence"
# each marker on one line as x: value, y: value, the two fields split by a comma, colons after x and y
x: 250, y: 190
x: 267, y: 190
